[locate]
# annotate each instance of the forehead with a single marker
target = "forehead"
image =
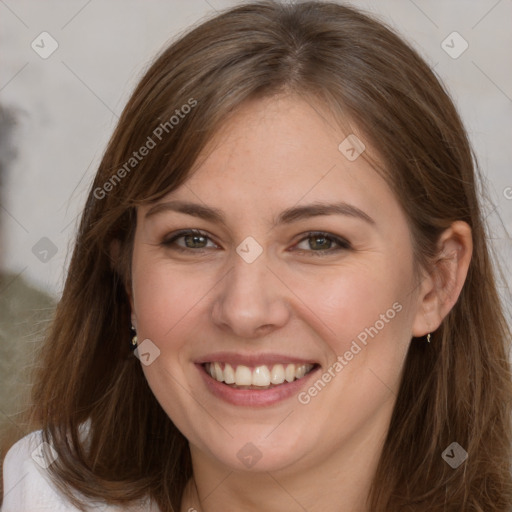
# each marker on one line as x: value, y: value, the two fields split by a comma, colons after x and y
x: 275, y: 152
x: 271, y: 132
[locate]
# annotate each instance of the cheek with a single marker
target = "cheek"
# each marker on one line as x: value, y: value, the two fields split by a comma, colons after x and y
x: 166, y: 302
x: 165, y: 298
x: 353, y: 299
x: 364, y: 318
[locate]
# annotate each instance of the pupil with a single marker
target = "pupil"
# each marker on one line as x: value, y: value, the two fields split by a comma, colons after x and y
x: 322, y: 240
x: 195, y: 239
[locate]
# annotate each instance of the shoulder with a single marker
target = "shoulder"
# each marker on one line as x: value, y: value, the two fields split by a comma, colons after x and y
x: 27, y: 485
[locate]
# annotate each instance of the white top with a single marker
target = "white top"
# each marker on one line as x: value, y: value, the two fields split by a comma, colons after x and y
x: 28, y: 488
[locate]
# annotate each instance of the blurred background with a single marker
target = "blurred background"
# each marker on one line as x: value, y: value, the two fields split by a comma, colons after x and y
x: 68, y: 67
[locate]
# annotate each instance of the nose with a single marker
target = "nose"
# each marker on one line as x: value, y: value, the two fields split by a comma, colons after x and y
x: 251, y: 301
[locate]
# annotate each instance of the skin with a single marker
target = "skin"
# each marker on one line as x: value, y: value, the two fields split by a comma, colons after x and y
x: 274, y: 154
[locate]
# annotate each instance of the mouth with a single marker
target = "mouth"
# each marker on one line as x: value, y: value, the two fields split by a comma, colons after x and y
x: 261, y: 377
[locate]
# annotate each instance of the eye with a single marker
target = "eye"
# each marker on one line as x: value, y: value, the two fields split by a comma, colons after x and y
x: 320, y: 243
x: 193, y: 240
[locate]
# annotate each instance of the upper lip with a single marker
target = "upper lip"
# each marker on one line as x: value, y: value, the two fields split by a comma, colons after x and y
x: 233, y: 358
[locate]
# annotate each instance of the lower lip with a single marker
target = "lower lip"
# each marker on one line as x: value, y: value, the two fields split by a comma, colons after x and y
x: 254, y: 397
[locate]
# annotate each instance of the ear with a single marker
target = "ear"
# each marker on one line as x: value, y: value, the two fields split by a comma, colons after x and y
x: 115, y: 251
x: 441, y: 288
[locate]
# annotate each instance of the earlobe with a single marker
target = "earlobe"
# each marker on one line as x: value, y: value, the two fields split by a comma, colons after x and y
x: 427, y: 317
x: 440, y: 289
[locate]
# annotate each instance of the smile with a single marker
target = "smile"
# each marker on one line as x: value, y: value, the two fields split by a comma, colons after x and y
x: 258, y: 377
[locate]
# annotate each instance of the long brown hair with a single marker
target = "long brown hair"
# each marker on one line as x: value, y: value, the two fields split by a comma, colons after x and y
x: 458, y: 388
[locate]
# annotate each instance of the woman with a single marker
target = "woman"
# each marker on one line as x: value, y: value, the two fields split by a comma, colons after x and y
x: 285, y: 227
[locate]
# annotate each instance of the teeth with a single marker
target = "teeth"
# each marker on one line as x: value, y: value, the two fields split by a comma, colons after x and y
x: 243, y: 376
x: 229, y: 374
x: 289, y: 373
x: 218, y: 374
x: 262, y: 376
x: 277, y: 374
x: 300, y: 371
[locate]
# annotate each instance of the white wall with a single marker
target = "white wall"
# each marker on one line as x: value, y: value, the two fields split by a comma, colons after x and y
x: 67, y: 104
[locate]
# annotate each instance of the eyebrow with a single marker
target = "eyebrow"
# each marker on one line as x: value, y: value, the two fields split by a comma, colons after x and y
x: 287, y: 216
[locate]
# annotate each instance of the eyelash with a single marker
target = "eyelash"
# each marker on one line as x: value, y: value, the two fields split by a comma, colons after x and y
x: 342, y: 243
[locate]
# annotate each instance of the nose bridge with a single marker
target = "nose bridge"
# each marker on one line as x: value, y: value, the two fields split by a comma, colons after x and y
x: 251, y: 299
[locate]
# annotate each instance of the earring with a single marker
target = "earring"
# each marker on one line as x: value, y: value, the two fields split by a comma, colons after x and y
x: 428, y: 338
x: 134, y: 339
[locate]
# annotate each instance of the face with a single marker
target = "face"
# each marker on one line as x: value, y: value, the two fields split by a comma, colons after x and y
x: 272, y: 284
